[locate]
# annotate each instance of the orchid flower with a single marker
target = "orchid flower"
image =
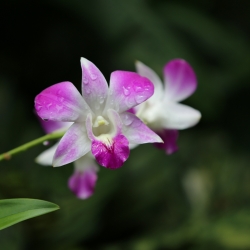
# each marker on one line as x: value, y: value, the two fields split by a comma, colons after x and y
x: 82, y: 182
x: 100, y: 119
x: 162, y: 112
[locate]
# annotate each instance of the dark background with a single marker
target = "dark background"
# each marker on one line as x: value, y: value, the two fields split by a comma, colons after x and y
x: 198, y: 198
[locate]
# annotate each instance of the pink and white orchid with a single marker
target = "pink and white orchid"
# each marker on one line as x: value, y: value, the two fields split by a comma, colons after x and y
x: 100, y: 119
x: 162, y: 112
x: 82, y: 182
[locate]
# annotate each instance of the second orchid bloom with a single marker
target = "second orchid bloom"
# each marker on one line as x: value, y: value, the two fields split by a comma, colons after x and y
x: 162, y: 112
x: 101, y: 123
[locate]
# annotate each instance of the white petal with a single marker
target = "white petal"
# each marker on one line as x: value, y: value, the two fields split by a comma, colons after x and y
x: 179, y: 116
x: 94, y: 86
x: 85, y: 162
x: 46, y: 157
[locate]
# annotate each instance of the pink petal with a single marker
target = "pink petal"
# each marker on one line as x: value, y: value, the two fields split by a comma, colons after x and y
x: 94, y: 86
x: 169, y: 136
x: 145, y: 71
x: 111, y: 156
x: 61, y: 102
x: 136, y: 131
x: 128, y: 89
x: 82, y: 183
x: 73, y: 145
x: 180, y: 80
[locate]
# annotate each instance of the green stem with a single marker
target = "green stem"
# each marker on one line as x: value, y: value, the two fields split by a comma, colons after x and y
x: 9, y: 154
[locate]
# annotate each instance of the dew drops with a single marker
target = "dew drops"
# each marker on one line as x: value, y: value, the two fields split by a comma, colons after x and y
x: 139, y: 98
x: 38, y: 107
x: 88, y: 91
x: 130, y: 102
x: 85, y: 80
x: 46, y: 143
x: 147, y: 87
x: 93, y: 76
x: 49, y: 105
x: 127, y: 120
x: 101, y: 99
x: 59, y: 92
x: 126, y: 91
x: 138, y: 88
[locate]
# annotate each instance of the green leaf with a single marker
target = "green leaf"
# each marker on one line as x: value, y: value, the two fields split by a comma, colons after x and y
x: 13, y: 211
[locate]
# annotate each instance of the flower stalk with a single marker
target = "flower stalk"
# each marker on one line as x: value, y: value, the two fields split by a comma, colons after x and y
x: 52, y: 136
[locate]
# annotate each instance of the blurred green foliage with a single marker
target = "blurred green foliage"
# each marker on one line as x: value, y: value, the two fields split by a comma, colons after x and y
x: 198, y: 198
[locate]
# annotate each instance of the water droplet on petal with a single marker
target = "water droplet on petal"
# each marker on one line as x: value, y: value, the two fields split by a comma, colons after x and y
x: 88, y: 91
x: 38, y: 108
x: 139, y: 98
x: 127, y: 120
x: 101, y: 99
x: 138, y: 88
x: 85, y: 80
x: 93, y: 76
x: 49, y: 105
x: 130, y: 101
x: 126, y: 91
x: 137, y: 123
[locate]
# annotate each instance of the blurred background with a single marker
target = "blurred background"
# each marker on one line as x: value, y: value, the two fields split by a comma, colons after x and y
x: 198, y: 198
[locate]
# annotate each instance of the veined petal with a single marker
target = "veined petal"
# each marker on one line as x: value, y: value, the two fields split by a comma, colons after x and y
x: 46, y: 157
x: 61, y: 102
x: 94, y: 86
x: 128, y: 89
x: 73, y: 145
x: 112, y: 153
x: 145, y: 71
x: 82, y: 182
x: 52, y: 126
x: 136, y: 131
x: 169, y: 137
x: 179, y: 116
x: 180, y: 80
